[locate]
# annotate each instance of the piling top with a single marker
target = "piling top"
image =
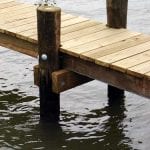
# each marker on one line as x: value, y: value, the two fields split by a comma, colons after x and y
x: 46, y: 8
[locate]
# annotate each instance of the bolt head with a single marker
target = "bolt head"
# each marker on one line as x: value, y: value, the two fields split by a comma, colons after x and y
x: 44, y: 57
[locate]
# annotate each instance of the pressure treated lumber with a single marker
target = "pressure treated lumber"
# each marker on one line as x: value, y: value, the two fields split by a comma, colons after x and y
x: 115, y: 47
x: 138, y: 85
x: 49, y: 21
x: 116, y: 18
x: 117, y: 50
x: 62, y: 80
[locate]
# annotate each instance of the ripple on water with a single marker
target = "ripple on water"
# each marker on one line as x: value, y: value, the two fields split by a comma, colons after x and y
x: 87, y: 122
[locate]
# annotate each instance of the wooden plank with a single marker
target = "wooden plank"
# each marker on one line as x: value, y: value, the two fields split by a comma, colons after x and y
x: 16, y: 21
x: 108, y: 59
x: 73, y: 21
x: 140, y: 70
x: 8, y: 4
x: 32, y: 33
x: 6, y: 1
x: 78, y: 26
x: 19, y: 45
x: 24, y: 27
x: 73, y: 27
x: 15, y: 14
x: 63, y: 80
x: 115, y: 47
x: 79, y: 33
x: 148, y: 75
x: 100, y: 33
x: 14, y: 8
x: 140, y: 86
x: 67, y: 17
x: 31, y: 26
x: 131, y: 61
x: 33, y: 37
x: 77, y: 50
x: 27, y: 33
x: 77, y: 30
x: 19, y: 13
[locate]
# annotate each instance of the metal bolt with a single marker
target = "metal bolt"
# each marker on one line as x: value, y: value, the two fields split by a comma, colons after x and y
x: 44, y: 57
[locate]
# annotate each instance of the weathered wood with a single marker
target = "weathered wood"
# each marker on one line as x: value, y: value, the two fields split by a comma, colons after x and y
x: 114, y: 94
x: 19, y: 45
x: 48, y: 45
x: 63, y: 80
x: 140, y: 86
x: 36, y: 71
x: 116, y: 18
x: 117, y: 13
x: 18, y: 32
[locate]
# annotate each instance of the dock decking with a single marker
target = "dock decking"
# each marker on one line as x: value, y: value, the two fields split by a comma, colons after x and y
x: 118, y: 57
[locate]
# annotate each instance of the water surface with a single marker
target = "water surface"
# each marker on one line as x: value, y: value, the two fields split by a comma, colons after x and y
x: 87, y: 122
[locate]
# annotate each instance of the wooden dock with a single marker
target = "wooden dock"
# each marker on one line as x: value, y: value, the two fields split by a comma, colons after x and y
x: 119, y: 57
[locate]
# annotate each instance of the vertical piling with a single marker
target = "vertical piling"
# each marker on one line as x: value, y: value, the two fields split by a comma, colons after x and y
x: 117, y: 13
x: 48, y: 26
x: 116, y: 18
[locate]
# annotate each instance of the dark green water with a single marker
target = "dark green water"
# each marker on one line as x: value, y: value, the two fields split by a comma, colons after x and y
x: 87, y: 122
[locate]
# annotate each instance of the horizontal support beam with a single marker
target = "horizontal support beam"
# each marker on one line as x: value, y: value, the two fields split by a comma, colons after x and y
x: 62, y: 80
x: 140, y: 86
x: 19, y: 45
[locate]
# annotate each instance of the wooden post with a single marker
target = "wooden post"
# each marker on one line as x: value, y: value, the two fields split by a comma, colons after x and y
x: 116, y: 18
x: 48, y: 22
x: 117, y: 13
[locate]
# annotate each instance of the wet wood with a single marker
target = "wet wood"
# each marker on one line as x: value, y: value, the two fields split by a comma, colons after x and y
x: 48, y: 19
x: 116, y: 18
x: 36, y: 71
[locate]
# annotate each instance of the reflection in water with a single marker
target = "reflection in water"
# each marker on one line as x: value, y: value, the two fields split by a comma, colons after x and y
x: 114, y: 128
x: 100, y: 128
x: 85, y: 124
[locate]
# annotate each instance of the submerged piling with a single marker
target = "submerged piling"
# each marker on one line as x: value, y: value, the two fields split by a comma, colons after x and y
x: 48, y: 26
x: 116, y: 18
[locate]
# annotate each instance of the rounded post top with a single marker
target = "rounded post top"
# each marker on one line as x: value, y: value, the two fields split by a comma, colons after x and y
x: 46, y: 8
